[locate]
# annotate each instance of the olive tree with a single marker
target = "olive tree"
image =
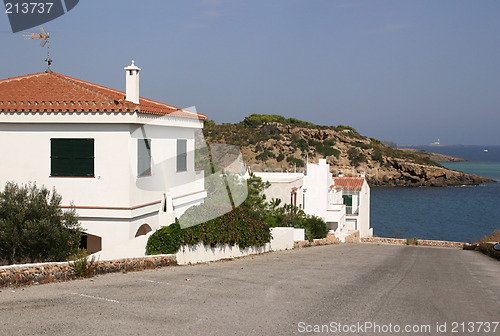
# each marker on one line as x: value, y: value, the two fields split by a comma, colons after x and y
x: 33, y: 226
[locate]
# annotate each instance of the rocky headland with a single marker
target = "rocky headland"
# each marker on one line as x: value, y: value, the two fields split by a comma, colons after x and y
x: 274, y: 143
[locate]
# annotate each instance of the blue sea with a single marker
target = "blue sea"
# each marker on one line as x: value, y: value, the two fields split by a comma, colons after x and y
x: 463, y: 213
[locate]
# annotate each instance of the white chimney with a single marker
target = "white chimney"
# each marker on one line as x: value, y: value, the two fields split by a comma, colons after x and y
x: 132, y: 83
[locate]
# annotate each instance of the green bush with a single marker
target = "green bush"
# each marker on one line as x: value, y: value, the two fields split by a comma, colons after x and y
x: 166, y: 240
x: 280, y: 157
x: 293, y: 160
x: 33, y: 227
x: 255, y: 120
x: 315, y: 227
x: 361, y: 145
x: 264, y: 156
x: 82, y: 265
x: 377, y: 156
x: 291, y: 216
x: 235, y: 227
x: 356, y: 156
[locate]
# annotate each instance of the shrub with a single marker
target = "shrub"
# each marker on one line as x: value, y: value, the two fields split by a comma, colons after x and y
x: 264, y: 156
x: 83, y: 265
x: 315, y: 227
x: 377, y: 156
x: 295, y: 161
x: 291, y: 216
x: 327, y: 150
x: 280, y: 157
x: 494, y: 237
x: 330, y: 142
x: 235, y: 227
x: 356, y: 156
x: 412, y: 241
x: 33, y: 227
x: 485, y: 245
x: 254, y: 120
x: 361, y: 145
x: 243, y: 225
x: 166, y: 240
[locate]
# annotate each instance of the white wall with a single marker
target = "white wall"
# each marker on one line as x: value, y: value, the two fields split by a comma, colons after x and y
x: 317, y: 182
x: 114, y: 203
x: 282, y: 239
x: 364, y: 212
x: 281, y: 186
x: 27, y: 158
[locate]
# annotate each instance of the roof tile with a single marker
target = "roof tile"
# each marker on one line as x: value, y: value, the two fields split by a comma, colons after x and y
x: 349, y: 183
x: 54, y: 92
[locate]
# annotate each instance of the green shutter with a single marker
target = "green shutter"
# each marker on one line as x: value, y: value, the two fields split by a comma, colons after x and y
x: 347, y: 200
x: 72, y: 157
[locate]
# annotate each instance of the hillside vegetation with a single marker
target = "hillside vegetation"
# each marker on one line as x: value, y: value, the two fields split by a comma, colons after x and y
x: 275, y: 143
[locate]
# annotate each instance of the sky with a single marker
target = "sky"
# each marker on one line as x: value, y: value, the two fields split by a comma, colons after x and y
x: 410, y: 71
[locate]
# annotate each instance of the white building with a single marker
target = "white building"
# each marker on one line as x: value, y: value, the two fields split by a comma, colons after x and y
x: 356, y: 197
x: 342, y: 202
x: 126, y: 163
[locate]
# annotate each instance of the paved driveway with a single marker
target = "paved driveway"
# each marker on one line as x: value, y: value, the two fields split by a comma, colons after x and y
x: 337, y: 290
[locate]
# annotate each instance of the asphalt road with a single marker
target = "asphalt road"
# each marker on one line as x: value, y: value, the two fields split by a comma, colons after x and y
x: 336, y: 288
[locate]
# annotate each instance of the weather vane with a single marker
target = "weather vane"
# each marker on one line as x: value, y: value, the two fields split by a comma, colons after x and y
x: 45, y: 41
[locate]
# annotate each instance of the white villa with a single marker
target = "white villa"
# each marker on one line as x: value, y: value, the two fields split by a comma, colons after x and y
x: 126, y: 163
x: 342, y: 202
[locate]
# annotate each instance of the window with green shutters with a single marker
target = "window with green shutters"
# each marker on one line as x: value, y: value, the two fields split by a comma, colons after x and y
x: 144, y: 157
x: 72, y: 157
x: 347, y: 200
x: 181, y: 155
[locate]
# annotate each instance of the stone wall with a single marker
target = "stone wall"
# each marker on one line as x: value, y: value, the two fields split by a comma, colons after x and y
x: 17, y: 275
x: 422, y: 242
x: 329, y: 240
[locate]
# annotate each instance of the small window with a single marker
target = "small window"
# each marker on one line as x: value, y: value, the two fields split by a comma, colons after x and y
x: 144, y: 157
x: 72, y: 157
x: 181, y: 155
x: 347, y: 200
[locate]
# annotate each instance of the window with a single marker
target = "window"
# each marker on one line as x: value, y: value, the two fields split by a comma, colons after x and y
x: 72, y: 157
x: 181, y: 155
x: 347, y: 200
x: 144, y: 157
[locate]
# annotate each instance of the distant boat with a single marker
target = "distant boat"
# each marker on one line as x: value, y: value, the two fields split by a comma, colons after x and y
x: 485, y: 150
x: 436, y: 143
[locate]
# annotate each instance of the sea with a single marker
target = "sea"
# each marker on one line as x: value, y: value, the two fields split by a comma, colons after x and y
x: 461, y: 213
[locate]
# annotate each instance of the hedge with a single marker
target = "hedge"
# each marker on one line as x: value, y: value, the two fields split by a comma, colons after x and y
x: 233, y: 228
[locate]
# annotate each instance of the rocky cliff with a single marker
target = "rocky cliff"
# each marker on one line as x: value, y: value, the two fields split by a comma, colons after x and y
x: 273, y: 143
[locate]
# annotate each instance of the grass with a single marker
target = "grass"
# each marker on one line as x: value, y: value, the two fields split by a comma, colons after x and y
x: 485, y: 245
x: 83, y: 266
x: 412, y: 241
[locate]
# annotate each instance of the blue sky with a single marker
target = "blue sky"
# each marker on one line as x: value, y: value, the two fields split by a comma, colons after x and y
x: 406, y: 71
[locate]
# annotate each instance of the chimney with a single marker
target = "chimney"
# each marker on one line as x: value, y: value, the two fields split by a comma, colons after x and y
x: 132, y: 83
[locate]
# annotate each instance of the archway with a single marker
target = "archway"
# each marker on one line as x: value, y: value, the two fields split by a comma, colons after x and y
x: 143, y: 230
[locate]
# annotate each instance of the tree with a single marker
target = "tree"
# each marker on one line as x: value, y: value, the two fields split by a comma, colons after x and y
x: 33, y: 227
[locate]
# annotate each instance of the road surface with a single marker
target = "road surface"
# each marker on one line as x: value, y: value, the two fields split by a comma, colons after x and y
x: 350, y: 289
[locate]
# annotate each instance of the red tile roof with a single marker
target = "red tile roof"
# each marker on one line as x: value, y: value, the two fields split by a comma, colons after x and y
x: 54, y: 92
x: 349, y: 183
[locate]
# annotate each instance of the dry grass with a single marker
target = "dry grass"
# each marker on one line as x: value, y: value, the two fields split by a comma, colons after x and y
x: 494, y: 237
x: 486, y: 243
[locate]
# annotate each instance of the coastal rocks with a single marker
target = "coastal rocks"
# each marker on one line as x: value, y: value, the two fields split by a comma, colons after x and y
x: 278, y: 147
x: 401, y: 173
